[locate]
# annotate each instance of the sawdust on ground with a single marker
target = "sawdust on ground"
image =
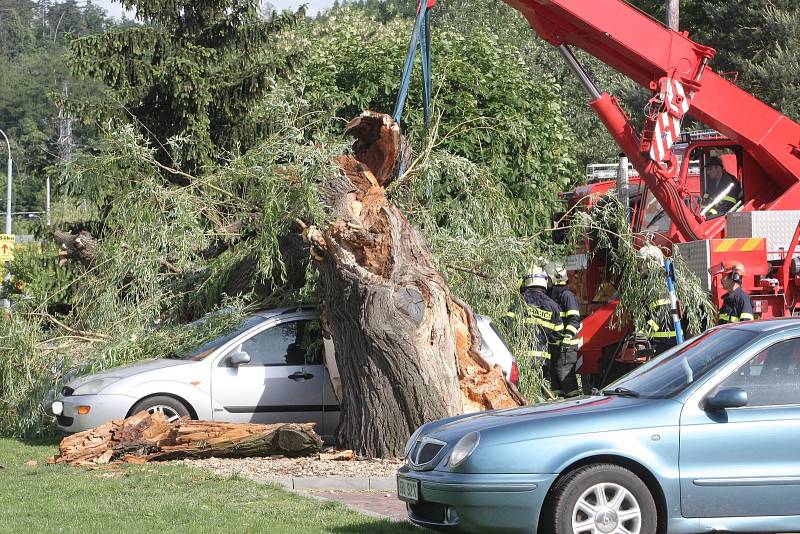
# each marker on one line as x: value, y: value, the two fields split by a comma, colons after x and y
x: 272, y: 467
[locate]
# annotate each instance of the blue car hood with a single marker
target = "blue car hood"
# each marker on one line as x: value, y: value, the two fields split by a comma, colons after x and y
x: 568, y: 417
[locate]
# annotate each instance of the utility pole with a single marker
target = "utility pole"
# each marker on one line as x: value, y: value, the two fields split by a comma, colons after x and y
x: 673, y: 14
x: 47, y: 199
x: 8, y: 191
x: 622, y: 181
x: 4, y: 303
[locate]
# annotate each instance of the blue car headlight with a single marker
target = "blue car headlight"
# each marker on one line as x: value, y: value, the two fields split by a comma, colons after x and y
x: 465, y: 446
x: 95, y: 386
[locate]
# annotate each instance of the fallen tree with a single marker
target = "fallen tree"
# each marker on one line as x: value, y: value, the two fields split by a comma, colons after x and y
x: 407, y: 349
x: 145, y: 437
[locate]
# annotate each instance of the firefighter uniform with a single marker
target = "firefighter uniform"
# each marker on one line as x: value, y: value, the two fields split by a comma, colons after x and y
x: 564, y: 365
x: 543, y: 315
x: 727, y: 192
x: 660, y: 330
x: 736, y: 306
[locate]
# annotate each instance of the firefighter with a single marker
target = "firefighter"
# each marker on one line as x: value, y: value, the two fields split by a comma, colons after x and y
x: 660, y: 332
x: 564, y: 365
x: 736, y: 304
x: 544, y: 316
x: 723, y: 190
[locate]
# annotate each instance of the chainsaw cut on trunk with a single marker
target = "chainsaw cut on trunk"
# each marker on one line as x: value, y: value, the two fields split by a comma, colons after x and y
x: 406, y: 348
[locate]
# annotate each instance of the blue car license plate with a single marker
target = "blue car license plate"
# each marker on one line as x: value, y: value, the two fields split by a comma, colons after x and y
x: 408, y: 490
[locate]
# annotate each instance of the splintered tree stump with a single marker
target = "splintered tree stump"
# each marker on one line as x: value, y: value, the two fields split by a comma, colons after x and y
x: 147, y: 437
x: 406, y: 348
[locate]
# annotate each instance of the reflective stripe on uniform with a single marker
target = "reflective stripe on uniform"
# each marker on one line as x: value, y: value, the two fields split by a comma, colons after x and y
x: 724, y: 317
x: 573, y: 341
x: 544, y: 324
x: 729, y: 199
x: 537, y: 354
x: 571, y: 329
x: 510, y: 314
x: 654, y: 325
x: 660, y: 302
x: 733, y: 319
x: 664, y: 334
x: 571, y: 313
x: 746, y: 317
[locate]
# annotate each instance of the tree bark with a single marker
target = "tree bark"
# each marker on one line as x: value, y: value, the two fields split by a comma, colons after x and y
x: 78, y: 246
x: 406, y: 348
x: 147, y: 437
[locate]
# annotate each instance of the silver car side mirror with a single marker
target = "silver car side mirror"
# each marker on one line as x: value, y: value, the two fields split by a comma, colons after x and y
x: 239, y: 357
x: 727, y: 398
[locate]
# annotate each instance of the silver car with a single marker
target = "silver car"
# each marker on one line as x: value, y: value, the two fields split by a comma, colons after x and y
x: 271, y: 369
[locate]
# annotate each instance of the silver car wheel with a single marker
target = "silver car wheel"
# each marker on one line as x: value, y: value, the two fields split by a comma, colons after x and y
x: 167, y: 411
x: 606, y: 508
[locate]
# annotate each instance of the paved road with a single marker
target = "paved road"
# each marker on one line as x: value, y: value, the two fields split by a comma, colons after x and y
x: 383, y: 503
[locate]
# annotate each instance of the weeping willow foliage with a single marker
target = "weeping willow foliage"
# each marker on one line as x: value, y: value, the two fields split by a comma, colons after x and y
x: 473, y: 230
x: 165, y: 254
x: 168, y: 253
x: 638, y: 282
x: 38, y: 356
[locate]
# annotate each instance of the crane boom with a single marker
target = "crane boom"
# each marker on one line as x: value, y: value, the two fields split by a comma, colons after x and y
x: 647, y: 52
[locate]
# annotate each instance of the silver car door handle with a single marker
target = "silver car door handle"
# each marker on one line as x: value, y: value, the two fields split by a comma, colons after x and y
x: 299, y: 375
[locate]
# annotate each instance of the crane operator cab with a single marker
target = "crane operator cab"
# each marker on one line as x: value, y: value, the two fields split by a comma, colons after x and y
x: 722, y: 189
x: 711, y: 176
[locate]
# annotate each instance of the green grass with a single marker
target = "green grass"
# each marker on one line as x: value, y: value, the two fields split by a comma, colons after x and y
x: 156, y: 498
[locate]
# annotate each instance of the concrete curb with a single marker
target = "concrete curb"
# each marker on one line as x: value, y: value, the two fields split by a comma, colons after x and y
x: 334, y: 483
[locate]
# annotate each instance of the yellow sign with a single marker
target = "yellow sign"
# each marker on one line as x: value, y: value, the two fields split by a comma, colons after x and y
x: 7, y: 247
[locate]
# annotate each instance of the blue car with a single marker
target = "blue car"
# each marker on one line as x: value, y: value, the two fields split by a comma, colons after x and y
x: 704, y: 438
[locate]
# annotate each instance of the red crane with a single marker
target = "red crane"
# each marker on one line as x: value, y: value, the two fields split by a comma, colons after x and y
x: 760, y: 147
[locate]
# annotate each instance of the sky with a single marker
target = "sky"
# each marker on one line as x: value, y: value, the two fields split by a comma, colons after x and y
x: 114, y: 9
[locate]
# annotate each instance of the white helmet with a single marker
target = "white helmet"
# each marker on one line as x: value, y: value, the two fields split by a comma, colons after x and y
x: 557, y: 272
x: 651, y: 252
x: 536, y: 278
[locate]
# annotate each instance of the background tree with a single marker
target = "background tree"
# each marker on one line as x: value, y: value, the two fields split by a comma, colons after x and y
x: 192, y: 76
x: 755, y: 43
x: 33, y: 35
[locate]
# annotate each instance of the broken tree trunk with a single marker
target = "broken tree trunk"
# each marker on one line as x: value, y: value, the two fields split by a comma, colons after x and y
x: 80, y: 246
x: 147, y: 437
x: 406, y: 348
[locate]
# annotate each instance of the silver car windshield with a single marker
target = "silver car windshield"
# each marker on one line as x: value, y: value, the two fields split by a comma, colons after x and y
x: 210, y: 346
x: 672, y: 372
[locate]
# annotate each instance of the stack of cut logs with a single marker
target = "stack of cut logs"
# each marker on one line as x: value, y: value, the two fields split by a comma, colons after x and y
x: 145, y: 437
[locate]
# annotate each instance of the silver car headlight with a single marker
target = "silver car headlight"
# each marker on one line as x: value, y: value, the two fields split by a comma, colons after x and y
x: 465, y: 446
x: 95, y: 386
x: 410, y: 443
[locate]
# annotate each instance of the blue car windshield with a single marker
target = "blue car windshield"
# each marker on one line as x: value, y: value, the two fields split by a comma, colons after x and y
x: 675, y: 370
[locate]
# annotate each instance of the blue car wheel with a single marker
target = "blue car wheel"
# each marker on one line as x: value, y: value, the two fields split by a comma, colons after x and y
x: 601, y: 499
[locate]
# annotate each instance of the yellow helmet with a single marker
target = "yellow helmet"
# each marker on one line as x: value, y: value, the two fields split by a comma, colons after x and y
x: 537, y: 277
x: 651, y: 252
x: 557, y: 272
